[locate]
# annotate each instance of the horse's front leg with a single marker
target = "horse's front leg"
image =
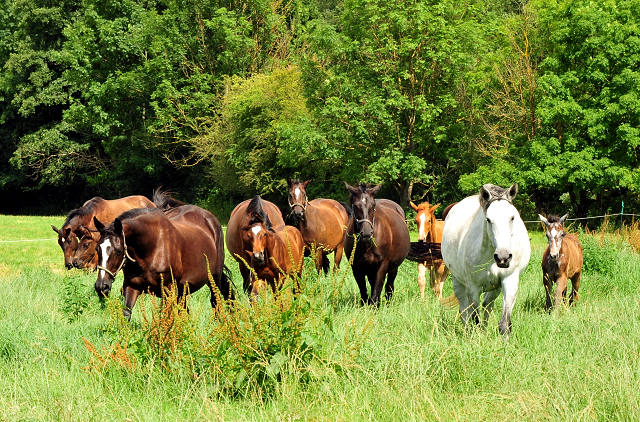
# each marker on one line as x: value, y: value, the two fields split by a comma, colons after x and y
x: 361, y: 280
x: 487, y: 304
x: 389, y: 287
x: 547, y: 282
x: 337, y: 257
x: 509, y: 291
x: 561, y: 290
x: 130, y: 297
x: 575, y: 285
x: 468, y: 298
x: 378, y: 281
x: 422, y: 280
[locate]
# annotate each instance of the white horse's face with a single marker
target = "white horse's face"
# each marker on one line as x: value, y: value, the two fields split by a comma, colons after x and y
x: 500, y: 216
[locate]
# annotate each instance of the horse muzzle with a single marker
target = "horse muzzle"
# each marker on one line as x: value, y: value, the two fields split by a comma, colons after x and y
x: 102, y: 288
x: 69, y: 265
x: 257, y: 258
x: 502, y: 261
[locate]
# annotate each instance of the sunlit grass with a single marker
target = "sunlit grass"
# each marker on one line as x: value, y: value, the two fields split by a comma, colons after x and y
x: 416, y: 361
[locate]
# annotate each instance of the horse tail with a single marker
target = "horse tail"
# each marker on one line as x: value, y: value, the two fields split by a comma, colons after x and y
x: 449, y: 302
x: 163, y: 200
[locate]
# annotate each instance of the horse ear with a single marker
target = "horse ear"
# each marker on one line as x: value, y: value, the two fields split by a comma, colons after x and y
x: 98, y: 224
x: 563, y: 218
x: 433, y: 208
x: 351, y: 189
x: 544, y: 220
x: 117, y: 226
x: 306, y: 183
x: 288, y: 182
x: 512, y: 192
x: 55, y: 229
x: 414, y: 206
x: 375, y: 189
x: 485, y: 194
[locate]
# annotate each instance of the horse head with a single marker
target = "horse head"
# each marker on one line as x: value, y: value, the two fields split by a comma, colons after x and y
x: 68, y: 241
x: 555, y: 233
x: 298, y: 197
x: 255, y: 233
x: 363, y: 205
x: 111, y: 250
x: 499, y: 217
x: 86, y: 250
x: 425, y: 218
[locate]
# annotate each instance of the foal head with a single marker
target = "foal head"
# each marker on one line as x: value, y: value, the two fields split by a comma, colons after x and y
x: 255, y: 233
x: 499, y: 218
x: 364, y: 207
x: 68, y: 241
x: 555, y: 233
x: 425, y: 219
x: 298, y: 197
x: 111, y: 254
x: 86, y: 248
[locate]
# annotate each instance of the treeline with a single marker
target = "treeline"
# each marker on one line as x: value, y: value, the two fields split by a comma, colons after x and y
x: 220, y: 100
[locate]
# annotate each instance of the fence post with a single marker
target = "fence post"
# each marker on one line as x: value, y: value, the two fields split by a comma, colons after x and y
x: 621, y: 212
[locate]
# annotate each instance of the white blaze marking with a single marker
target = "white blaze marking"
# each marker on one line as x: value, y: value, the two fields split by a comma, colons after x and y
x: 421, y: 228
x: 256, y: 229
x: 106, y: 244
x: 364, y: 200
x: 554, y: 233
x: 297, y: 192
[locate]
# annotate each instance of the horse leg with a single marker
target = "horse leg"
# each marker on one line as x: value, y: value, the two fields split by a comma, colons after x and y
x: 487, y: 304
x: 460, y: 291
x: 575, y: 285
x: 548, y: 285
x: 389, y: 287
x: 130, y: 296
x: 509, y: 291
x: 326, y: 265
x: 362, y: 285
x: 337, y: 257
x: 378, y: 281
x: 422, y: 282
x: 561, y: 290
x: 441, y: 279
x: 247, y: 278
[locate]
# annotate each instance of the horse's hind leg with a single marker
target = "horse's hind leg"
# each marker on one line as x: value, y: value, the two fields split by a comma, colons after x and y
x: 337, y: 257
x: 487, y: 304
x: 326, y: 265
x: 575, y: 285
x: 466, y: 305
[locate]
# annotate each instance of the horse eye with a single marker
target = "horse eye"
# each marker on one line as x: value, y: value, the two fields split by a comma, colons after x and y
x: 118, y: 252
x: 512, y: 217
x: 488, y: 221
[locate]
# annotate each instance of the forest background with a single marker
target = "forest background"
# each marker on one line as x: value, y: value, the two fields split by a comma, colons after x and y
x: 221, y: 100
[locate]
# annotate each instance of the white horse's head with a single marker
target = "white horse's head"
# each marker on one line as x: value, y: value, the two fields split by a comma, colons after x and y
x: 500, y: 215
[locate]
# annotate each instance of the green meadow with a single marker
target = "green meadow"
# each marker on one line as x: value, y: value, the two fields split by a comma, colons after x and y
x: 66, y: 356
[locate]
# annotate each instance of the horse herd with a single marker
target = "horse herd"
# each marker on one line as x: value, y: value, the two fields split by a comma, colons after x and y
x: 482, y: 243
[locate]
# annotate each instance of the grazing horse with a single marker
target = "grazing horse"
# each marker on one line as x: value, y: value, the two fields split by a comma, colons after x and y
x: 238, y: 240
x: 430, y: 231
x: 561, y: 261
x: 486, y: 247
x: 322, y: 223
x: 275, y: 252
x: 182, y: 245
x: 79, y: 223
x: 380, y: 236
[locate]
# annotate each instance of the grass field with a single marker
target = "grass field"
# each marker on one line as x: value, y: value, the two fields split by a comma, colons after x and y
x: 410, y: 360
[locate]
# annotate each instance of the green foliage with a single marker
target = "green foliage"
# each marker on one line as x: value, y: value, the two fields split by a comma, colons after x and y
x: 600, y: 254
x: 75, y: 297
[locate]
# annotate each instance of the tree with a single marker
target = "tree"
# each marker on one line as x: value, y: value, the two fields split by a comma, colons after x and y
x: 382, y: 87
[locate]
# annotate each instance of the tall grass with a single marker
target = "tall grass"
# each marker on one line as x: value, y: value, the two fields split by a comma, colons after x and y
x: 318, y: 357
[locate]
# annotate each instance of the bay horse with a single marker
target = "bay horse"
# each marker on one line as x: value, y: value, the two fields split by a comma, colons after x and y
x: 486, y: 247
x: 154, y: 248
x: 237, y: 239
x: 430, y: 231
x: 79, y: 222
x: 380, y: 236
x: 322, y: 223
x: 561, y: 261
x: 275, y: 251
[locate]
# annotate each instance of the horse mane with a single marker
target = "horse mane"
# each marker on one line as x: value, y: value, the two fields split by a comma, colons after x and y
x: 132, y: 213
x: 257, y: 214
x: 87, y: 209
x: 497, y: 193
x: 553, y: 218
x: 163, y: 200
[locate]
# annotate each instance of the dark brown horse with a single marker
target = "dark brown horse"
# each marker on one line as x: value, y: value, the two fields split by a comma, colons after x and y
x: 275, y: 252
x: 184, y: 245
x: 561, y: 261
x: 382, y: 241
x: 322, y: 223
x: 79, y: 222
x: 430, y: 231
x: 237, y: 239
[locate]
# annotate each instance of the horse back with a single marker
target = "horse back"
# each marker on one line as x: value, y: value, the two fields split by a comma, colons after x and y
x: 392, y: 234
x: 108, y: 209
x: 390, y: 205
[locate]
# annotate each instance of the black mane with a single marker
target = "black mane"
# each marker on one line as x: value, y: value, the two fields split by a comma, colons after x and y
x: 552, y: 218
x: 163, y: 200
x: 88, y: 209
x: 257, y: 214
